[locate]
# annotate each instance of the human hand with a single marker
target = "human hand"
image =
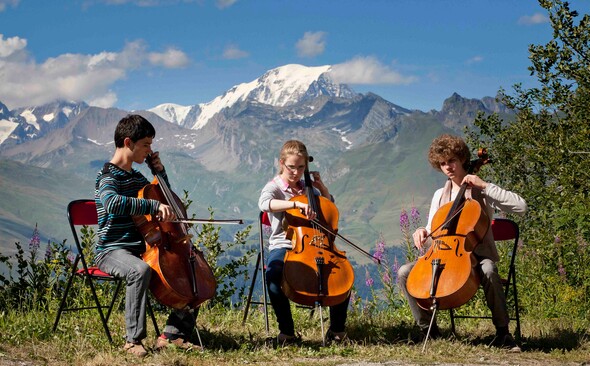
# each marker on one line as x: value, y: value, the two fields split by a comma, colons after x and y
x: 419, y: 237
x: 319, y: 184
x: 306, y: 209
x: 473, y: 180
x: 165, y: 213
x: 156, y: 162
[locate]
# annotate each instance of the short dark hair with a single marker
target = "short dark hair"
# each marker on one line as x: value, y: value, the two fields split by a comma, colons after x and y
x: 135, y: 127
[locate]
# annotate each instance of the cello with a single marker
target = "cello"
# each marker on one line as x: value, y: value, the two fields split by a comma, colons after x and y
x: 315, y: 272
x: 182, y: 277
x: 445, y: 277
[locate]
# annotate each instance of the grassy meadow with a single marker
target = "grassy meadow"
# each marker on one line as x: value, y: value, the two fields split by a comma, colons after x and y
x: 382, y: 337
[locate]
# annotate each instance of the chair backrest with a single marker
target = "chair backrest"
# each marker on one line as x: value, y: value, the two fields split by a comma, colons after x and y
x: 264, y: 218
x: 506, y: 229
x: 81, y: 212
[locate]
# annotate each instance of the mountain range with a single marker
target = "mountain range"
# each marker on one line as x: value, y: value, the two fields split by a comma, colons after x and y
x: 371, y: 152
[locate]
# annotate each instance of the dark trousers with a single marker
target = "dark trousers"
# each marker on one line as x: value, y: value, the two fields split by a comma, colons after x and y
x: 280, y: 302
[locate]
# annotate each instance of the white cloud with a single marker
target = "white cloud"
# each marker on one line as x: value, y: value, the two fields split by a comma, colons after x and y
x: 312, y: 44
x: 222, y: 4
x: 368, y: 70
x: 104, y: 101
x: 11, y: 46
x: 4, y: 4
x: 232, y: 52
x: 25, y: 82
x: 474, y: 60
x: 536, y: 18
x: 172, y: 58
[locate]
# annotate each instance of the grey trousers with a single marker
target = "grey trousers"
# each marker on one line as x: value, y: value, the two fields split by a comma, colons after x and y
x: 137, y: 274
x: 490, y: 282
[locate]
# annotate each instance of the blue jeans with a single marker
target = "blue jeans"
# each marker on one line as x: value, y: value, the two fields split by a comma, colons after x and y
x: 280, y: 302
x: 137, y: 274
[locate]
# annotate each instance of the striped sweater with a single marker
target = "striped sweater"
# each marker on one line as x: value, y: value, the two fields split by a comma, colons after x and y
x: 116, y: 201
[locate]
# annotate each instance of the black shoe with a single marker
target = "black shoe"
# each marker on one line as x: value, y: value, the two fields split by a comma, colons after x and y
x: 285, y: 339
x: 506, y: 342
x: 335, y: 337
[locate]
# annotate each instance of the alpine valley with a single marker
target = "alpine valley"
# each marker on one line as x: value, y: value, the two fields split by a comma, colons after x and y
x: 371, y: 152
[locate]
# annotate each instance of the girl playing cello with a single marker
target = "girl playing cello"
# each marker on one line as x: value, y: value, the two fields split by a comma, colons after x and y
x: 275, y: 200
x: 451, y: 156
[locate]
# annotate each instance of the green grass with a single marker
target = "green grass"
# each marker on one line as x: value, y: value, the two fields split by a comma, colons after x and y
x: 27, y: 339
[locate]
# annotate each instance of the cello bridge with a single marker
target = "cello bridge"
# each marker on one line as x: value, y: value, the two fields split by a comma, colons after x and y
x: 318, y: 241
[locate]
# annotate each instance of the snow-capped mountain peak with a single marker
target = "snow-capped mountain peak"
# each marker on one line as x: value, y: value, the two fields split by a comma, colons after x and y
x: 171, y: 112
x: 27, y: 123
x: 279, y: 87
x: 285, y: 85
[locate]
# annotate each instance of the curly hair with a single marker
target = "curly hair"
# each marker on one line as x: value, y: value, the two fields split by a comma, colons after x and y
x: 292, y: 147
x: 446, y: 147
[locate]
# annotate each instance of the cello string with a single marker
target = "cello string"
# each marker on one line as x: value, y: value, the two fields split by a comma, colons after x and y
x: 311, y: 201
x: 458, y: 211
x: 377, y: 260
x: 166, y: 190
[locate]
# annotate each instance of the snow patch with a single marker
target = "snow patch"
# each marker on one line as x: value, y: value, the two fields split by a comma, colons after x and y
x: 6, y: 129
x: 90, y: 140
x: 30, y: 118
x: 49, y: 117
x: 174, y: 113
x: 343, y: 137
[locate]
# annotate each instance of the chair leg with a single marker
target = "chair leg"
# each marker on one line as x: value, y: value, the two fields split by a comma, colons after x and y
x: 99, y: 309
x: 66, y: 291
x: 114, y: 299
x: 511, y: 282
x: 264, y: 290
x: 259, y: 265
x: 153, y: 317
x: 452, y: 316
x: 517, y: 332
x: 249, y: 300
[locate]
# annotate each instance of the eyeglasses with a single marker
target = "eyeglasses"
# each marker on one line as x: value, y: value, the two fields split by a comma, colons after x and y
x: 293, y: 168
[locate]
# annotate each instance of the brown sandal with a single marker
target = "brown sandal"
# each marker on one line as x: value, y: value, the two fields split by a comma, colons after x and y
x: 135, y: 349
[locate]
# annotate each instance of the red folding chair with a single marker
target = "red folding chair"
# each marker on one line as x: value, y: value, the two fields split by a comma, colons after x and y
x: 505, y: 231
x: 262, y: 220
x: 83, y: 213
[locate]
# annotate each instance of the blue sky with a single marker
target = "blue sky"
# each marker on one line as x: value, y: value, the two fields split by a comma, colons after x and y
x: 136, y: 54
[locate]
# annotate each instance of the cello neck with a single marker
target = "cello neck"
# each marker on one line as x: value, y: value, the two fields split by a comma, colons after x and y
x: 311, y: 197
x: 452, y: 217
x: 474, y: 165
x: 166, y: 190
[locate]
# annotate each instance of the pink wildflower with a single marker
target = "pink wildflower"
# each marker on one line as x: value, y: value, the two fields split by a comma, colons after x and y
x: 35, y: 240
x: 404, y: 221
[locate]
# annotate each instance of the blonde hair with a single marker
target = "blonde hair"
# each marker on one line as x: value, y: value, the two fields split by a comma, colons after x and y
x: 292, y: 147
x: 446, y: 147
